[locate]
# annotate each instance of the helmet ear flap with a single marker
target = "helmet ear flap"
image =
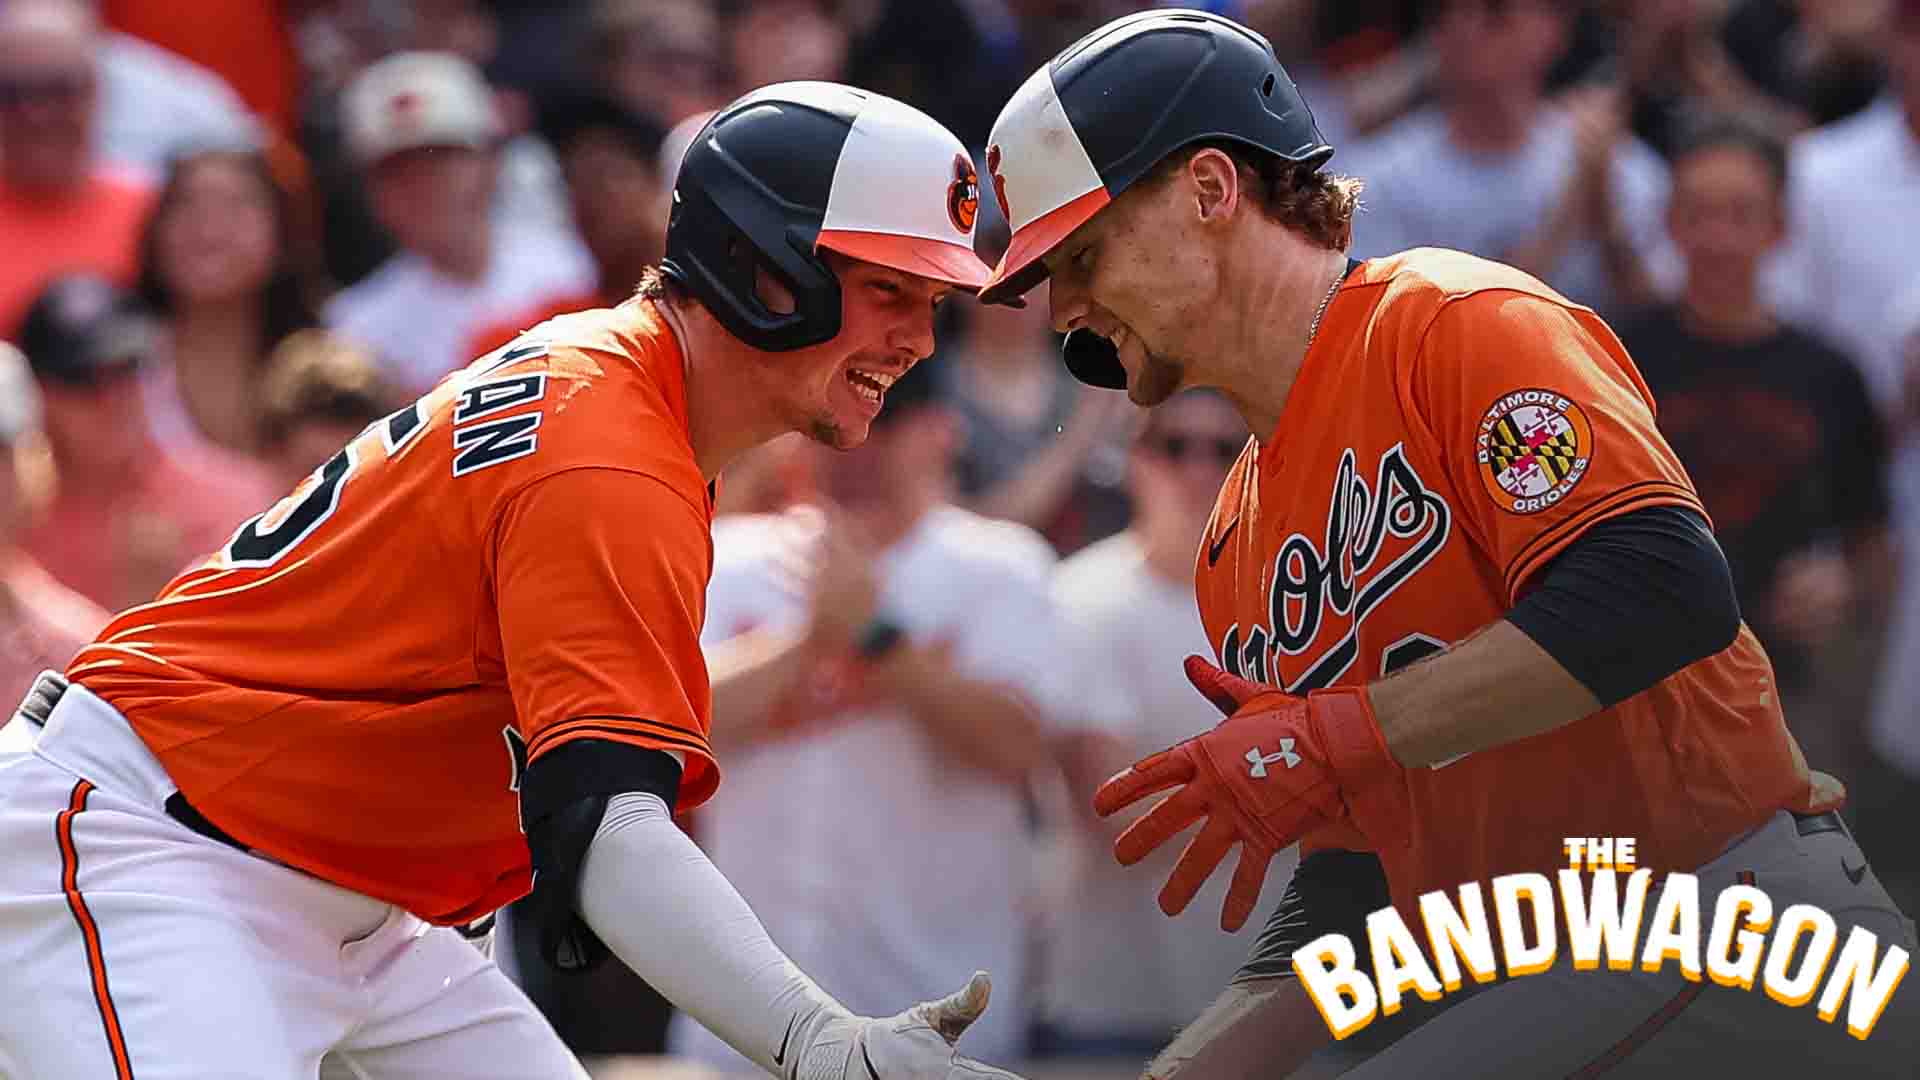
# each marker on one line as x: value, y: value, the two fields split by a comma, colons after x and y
x: 792, y: 170
x: 714, y: 254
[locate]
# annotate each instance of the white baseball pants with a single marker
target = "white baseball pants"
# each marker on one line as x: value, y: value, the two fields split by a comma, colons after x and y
x: 133, y: 947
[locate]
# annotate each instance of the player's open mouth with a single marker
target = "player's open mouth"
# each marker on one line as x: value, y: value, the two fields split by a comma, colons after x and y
x: 871, y: 385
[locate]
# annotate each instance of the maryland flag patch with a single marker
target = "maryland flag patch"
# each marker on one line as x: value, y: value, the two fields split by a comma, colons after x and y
x: 1533, y: 447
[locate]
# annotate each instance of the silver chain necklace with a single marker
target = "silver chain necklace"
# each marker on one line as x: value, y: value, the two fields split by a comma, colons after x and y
x: 1314, y: 330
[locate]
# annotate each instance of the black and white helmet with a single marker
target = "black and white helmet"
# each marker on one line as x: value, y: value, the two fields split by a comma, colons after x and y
x: 795, y: 169
x: 1105, y: 111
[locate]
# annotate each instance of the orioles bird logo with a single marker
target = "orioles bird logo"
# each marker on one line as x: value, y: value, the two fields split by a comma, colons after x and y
x: 999, y: 182
x: 963, y: 195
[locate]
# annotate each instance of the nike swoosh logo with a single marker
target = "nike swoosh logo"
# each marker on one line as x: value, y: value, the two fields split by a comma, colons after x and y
x: 865, y: 1058
x: 1219, y: 544
x: 780, y: 1055
x: 1853, y: 874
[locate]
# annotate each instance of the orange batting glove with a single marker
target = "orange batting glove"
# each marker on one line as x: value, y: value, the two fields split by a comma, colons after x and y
x: 1269, y: 772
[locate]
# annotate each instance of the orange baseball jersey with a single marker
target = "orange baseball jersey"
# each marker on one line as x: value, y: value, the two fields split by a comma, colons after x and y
x: 356, y: 682
x: 1455, y: 425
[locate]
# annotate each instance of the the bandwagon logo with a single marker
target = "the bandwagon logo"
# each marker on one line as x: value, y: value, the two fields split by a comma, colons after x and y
x: 1601, y: 922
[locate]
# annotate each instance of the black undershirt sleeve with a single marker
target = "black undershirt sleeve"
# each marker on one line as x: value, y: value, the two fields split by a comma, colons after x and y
x: 563, y: 796
x: 1633, y: 600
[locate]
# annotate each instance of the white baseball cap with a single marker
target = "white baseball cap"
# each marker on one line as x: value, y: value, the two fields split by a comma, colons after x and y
x: 19, y: 395
x: 416, y: 99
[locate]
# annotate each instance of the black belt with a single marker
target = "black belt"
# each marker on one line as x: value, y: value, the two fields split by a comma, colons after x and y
x: 1814, y: 824
x: 47, y: 691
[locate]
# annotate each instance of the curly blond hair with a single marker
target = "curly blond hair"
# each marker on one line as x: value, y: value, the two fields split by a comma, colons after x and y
x: 1314, y: 203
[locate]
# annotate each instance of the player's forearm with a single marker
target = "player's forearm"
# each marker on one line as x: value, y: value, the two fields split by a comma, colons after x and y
x: 986, y: 725
x: 1633, y: 600
x: 668, y: 912
x: 1496, y: 687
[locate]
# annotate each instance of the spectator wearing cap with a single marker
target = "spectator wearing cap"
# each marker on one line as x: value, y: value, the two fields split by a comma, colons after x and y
x: 610, y: 156
x: 42, y: 623
x: 316, y: 393
x: 945, y: 705
x: 130, y: 513
x: 225, y: 268
x: 423, y: 130
x: 61, y: 209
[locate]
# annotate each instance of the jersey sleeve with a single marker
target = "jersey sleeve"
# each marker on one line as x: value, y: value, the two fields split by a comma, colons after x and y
x: 600, y: 577
x: 1542, y: 424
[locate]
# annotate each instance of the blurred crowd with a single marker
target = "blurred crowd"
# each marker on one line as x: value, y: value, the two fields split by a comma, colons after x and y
x: 237, y: 231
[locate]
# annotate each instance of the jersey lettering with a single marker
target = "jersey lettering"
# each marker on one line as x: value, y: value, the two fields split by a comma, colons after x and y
x: 494, y: 442
x: 1310, y: 581
x: 488, y: 398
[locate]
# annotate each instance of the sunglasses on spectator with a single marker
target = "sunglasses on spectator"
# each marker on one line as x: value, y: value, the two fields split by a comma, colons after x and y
x: 1212, y: 449
x: 22, y: 90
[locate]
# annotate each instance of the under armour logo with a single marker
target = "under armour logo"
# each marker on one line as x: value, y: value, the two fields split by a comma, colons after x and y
x: 1260, y: 761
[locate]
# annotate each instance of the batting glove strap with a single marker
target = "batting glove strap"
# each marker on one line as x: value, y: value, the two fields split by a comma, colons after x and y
x: 1346, y: 731
x: 1373, y: 785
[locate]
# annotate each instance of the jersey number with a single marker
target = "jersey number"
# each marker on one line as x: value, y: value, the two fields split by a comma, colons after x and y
x: 254, y: 546
x: 480, y: 445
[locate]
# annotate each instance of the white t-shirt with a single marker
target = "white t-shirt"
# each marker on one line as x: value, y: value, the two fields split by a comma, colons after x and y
x: 418, y: 321
x: 887, y: 871
x: 1423, y: 190
x: 1854, y: 189
x: 1116, y: 965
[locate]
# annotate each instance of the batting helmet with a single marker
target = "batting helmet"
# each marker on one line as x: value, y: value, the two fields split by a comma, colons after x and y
x: 1105, y: 111
x: 796, y: 168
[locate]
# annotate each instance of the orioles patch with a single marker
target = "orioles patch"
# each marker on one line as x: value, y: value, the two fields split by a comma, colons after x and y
x: 1533, y: 447
x: 963, y: 195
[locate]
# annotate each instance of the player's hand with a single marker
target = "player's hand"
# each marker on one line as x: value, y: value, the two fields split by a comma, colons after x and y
x: 1272, y: 770
x: 913, y: 1045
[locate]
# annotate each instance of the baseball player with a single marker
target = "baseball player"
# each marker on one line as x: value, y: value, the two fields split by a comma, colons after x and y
x: 1463, y: 599
x: 462, y: 663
